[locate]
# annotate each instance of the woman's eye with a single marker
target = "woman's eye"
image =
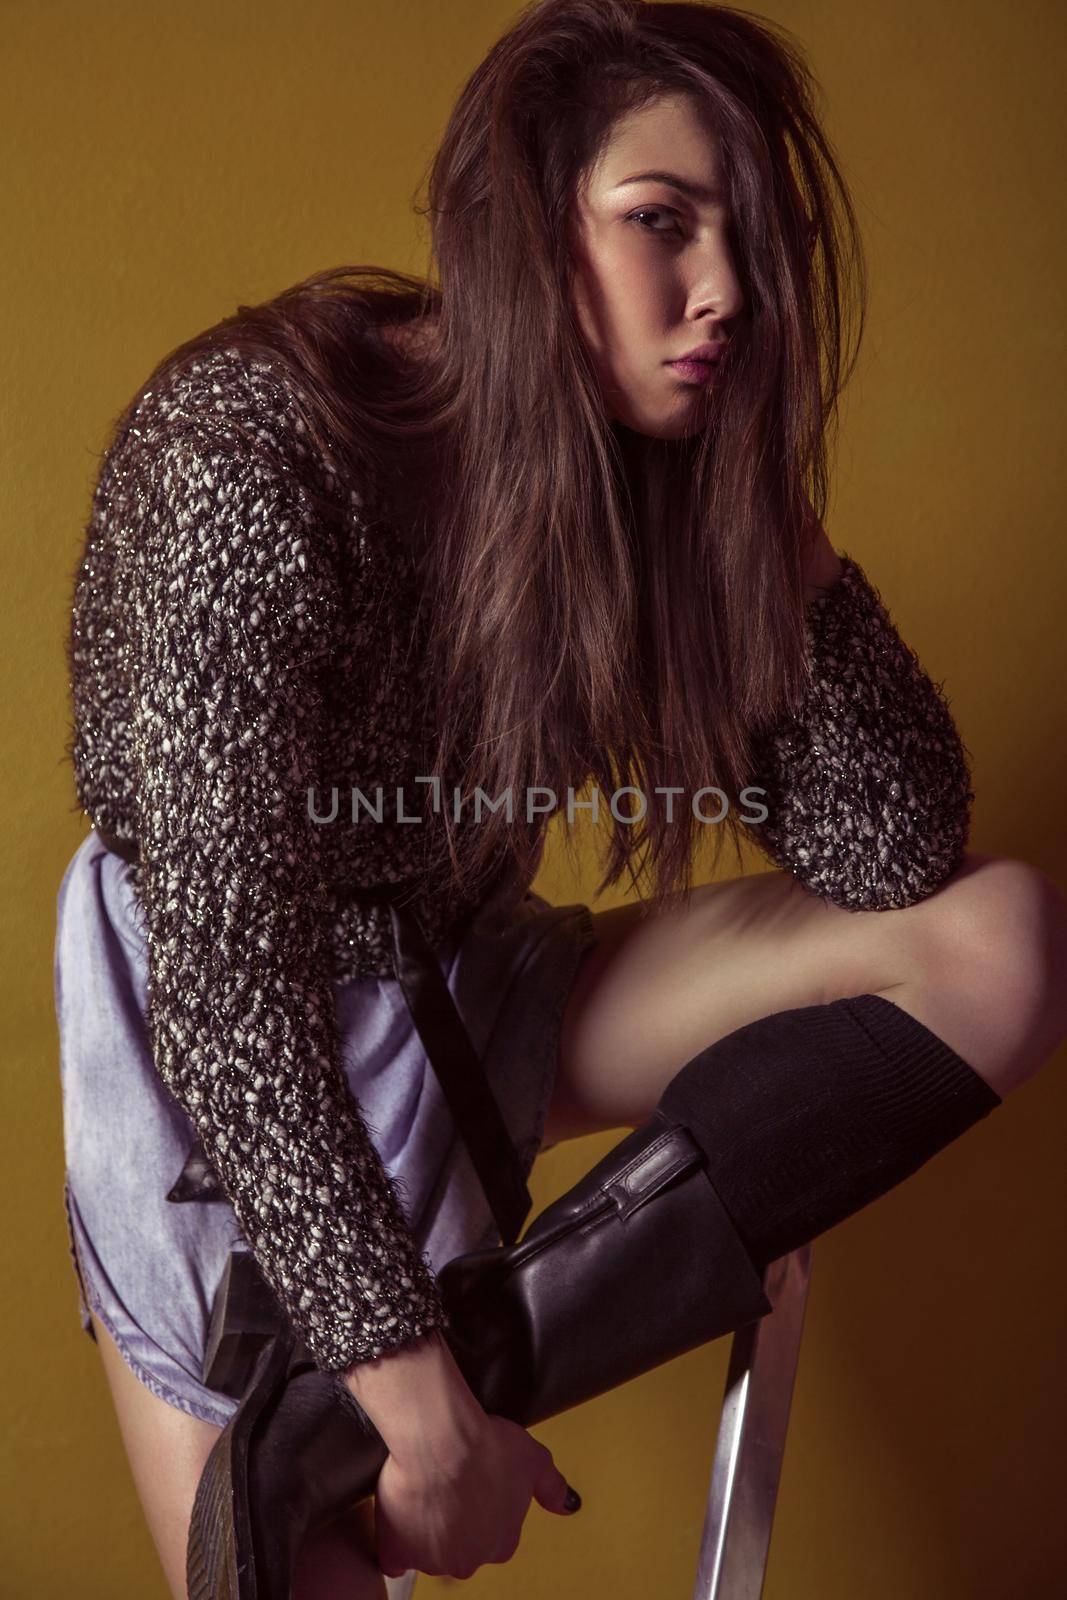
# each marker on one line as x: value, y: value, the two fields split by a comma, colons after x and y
x: 653, y: 211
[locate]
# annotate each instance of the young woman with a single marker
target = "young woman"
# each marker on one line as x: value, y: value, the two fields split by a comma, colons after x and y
x: 553, y: 524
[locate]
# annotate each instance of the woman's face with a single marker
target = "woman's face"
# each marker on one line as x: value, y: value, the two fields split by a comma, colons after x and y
x: 654, y: 273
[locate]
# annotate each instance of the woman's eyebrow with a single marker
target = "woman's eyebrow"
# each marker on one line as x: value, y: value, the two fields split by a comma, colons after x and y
x: 696, y: 191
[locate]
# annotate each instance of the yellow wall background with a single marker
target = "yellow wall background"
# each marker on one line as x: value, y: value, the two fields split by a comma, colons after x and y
x: 165, y: 162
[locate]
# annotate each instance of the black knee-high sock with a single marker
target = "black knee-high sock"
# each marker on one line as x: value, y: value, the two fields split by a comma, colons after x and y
x: 809, y: 1114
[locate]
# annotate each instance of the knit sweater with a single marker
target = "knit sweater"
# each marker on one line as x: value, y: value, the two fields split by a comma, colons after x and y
x: 231, y: 648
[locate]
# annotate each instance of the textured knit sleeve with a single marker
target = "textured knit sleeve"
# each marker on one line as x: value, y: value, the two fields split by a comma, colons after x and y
x: 231, y: 597
x: 868, y: 787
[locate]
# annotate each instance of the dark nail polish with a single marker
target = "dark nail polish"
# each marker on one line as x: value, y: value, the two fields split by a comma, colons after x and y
x: 573, y: 1502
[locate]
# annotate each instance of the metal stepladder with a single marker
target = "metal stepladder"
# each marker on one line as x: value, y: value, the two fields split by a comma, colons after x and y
x: 750, y: 1446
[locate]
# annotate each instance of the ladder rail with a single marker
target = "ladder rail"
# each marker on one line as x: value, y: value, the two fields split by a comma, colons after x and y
x: 750, y: 1447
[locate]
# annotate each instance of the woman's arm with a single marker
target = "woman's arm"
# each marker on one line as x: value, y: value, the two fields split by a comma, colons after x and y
x: 231, y: 605
x: 419, y: 1401
x: 868, y: 787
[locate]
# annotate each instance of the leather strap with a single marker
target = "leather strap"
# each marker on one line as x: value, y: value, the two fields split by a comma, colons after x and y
x: 459, y: 1071
x: 448, y: 1047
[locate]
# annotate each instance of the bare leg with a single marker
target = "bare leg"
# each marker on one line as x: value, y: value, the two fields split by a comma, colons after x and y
x: 339, y: 1561
x: 981, y: 962
x: 167, y: 1448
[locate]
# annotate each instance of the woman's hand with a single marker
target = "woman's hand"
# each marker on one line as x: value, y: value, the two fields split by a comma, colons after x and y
x: 448, y: 1511
x: 457, y: 1483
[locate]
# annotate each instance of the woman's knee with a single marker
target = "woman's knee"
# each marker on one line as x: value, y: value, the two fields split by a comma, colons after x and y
x: 1002, y: 918
x: 997, y: 936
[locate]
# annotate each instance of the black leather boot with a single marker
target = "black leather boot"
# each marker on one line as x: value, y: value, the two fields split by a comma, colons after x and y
x: 297, y: 1452
x: 800, y: 1119
x: 601, y: 1288
x: 636, y: 1264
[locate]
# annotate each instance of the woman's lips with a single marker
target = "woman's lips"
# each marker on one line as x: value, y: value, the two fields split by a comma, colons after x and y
x: 693, y: 371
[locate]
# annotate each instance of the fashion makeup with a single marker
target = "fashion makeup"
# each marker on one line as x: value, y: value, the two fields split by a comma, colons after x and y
x: 698, y: 364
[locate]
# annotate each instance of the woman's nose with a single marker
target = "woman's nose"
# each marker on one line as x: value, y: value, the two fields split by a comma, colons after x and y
x: 716, y: 290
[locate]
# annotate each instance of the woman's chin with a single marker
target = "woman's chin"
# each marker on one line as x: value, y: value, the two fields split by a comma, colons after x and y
x: 673, y: 426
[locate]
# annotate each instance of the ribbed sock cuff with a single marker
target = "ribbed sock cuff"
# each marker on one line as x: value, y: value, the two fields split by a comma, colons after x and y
x: 809, y: 1114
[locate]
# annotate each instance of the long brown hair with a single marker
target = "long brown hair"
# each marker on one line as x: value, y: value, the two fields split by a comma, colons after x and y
x: 602, y: 607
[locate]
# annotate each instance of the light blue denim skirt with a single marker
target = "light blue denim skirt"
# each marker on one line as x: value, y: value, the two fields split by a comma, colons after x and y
x: 149, y: 1267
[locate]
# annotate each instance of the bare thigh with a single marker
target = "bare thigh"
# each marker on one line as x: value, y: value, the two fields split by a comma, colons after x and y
x: 656, y: 990
x: 167, y: 1448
